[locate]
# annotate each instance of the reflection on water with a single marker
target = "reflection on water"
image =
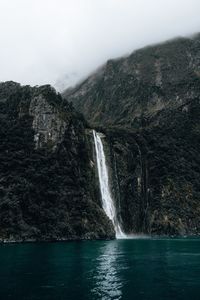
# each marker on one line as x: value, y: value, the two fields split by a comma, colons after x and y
x: 107, y: 280
x: 101, y: 270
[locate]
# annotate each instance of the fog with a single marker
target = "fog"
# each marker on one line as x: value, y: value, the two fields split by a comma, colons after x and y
x: 61, y: 41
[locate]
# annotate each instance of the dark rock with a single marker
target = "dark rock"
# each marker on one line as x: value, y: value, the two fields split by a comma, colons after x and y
x: 44, y: 169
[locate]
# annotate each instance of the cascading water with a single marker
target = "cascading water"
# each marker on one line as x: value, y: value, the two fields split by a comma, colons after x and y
x: 107, y: 201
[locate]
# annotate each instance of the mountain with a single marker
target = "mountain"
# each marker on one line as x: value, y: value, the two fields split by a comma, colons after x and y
x: 45, y: 166
x: 148, y: 106
x: 132, y: 90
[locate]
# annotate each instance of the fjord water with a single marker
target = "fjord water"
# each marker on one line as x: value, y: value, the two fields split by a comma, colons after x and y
x: 108, y: 203
x: 140, y: 269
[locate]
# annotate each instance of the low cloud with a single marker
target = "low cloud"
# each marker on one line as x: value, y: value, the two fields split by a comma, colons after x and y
x: 61, y: 41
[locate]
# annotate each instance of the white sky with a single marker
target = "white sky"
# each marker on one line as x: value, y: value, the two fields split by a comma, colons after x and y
x: 49, y: 41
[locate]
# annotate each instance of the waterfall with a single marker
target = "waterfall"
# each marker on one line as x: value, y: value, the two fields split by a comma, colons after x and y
x: 107, y: 200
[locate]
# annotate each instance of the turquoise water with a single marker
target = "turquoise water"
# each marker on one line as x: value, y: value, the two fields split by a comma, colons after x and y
x: 123, y: 269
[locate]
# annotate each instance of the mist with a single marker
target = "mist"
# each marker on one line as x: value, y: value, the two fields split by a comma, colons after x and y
x: 61, y: 41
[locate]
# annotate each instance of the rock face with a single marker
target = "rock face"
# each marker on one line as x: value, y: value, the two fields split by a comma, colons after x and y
x: 47, y: 184
x: 48, y: 126
x: 148, y: 106
x: 130, y: 90
x: 156, y: 174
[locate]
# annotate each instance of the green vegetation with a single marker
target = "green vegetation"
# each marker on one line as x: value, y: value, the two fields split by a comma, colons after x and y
x: 44, y: 194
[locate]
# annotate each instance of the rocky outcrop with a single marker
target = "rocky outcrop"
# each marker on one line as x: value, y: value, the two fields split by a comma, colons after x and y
x: 47, y: 191
x: 48, y: 125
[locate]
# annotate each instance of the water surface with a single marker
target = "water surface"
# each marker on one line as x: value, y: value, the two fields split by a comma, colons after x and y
x: 122, y: 269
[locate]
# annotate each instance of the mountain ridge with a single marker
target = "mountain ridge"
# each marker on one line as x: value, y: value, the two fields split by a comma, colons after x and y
x: 132, y: 86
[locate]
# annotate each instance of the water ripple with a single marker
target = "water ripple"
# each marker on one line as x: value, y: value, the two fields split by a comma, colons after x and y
x: 108, y: 283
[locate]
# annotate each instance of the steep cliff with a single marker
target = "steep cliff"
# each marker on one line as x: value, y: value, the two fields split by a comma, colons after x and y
x: 156, y: 174
x: 47, y: 185
x: 148, y: 106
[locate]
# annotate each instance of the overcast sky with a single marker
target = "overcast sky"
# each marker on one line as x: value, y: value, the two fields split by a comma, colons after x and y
x: 61, y: 41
